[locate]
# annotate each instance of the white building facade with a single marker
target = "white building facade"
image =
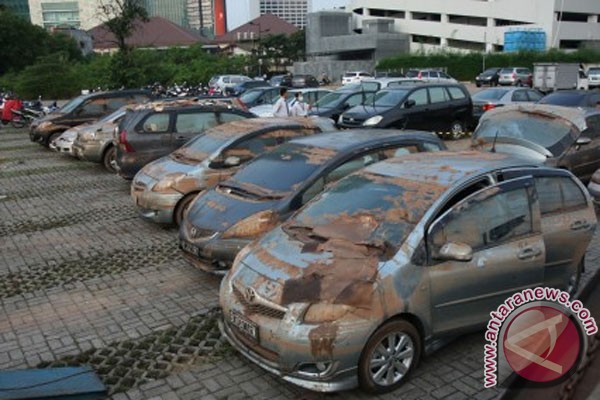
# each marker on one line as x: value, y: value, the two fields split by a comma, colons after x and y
x: 480, y: 24
x: 59, y: 13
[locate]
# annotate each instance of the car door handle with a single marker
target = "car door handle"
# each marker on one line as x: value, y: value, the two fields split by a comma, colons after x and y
x: 579, y: 225
x: 529, y: 252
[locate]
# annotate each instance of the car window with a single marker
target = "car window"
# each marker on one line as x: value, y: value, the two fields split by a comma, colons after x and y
x: 557, y: 194
x: 117, y: 102
x: 444, y: 75
x: 534, y: 96
x: 593, y: 124
x: 355, y: 99
x: 487, y: 218
x: 226, y: 117
x: 352, y: 165
x: 398, y: 151
x: 434, y: 74
x: 438, y: 95
x: 158, y: 122
x: 419, y: 96
x: 95, y: 107
x: 251, y: 147
x: 519, y: 95
x: 195, y: 122
x: 456, y: 93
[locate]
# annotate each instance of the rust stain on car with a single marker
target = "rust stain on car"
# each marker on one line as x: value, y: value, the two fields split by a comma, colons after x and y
x: 322, y: 340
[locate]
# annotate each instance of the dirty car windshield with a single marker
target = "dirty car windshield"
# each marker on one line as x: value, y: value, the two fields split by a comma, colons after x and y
x: 388, y: 98
x: 553, y: 134
x: 364, y: 200
x: 281, y: 169
x: 329, y: 100
x: 200, y: 147
x: 71, y: 105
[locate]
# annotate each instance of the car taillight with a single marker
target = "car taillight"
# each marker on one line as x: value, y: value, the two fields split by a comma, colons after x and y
x: 514, y: 75
x: 420, y: 75
x: 488, y: 106
x: 123, y: 141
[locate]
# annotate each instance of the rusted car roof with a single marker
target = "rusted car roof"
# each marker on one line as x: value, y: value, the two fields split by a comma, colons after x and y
x: 574, y: 115
x: 443, y: 168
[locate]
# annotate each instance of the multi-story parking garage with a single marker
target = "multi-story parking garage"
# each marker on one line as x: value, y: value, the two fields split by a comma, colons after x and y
x: 480, y: 24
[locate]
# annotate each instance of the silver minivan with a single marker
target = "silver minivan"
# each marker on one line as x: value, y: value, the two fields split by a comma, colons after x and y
x: 515, y: 76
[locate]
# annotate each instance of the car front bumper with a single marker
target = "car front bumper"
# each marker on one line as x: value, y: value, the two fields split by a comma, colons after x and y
x: 89, y: 151
x: 215, y: 256
x: 155, y: 206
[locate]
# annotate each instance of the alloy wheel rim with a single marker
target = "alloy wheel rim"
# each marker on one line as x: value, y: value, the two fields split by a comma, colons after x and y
x: 391, y: 359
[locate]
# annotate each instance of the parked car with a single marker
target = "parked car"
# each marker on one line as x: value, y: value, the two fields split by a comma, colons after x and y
x: 515, y: 76
x: 244, y: 86
x: 488, y: 77
x: 573, y: 98
x: 593, y: 75
x: 83, y: 109
x: 299, y: 81
x: 221, y: 82
x: 338, y: 101
x: 355, y: 76
x: 594, y: 188
x: 276, y: 80
x: 430, y: 75
x: 269, y: 189
x: 311, y: 96
x: 364, y: 279
x: 64, y: 142
x: 259, y: 96
x: 163, y: 190
x: 94, y: 142
x: 155, y: 130
x: 488, y: 99
x: 435, y: 107
x: 375, y: 84
x: 557, y: 136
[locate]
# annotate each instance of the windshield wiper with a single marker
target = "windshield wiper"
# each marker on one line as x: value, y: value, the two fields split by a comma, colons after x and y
x: 237, y: 191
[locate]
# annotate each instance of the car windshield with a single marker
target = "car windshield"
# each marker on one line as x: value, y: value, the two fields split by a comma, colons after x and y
x: 490, y: 71
x: 111, y: 117
x: 251, y: 96
x: 329, y: 100
x: 281, y: 170
x: 71, y: 105
x: 506, y: 71
x: 367, y: 209
x: 200, y: 147
x: 563, y: 99
x: 490, y: 94
x: 594, y: 71
x: 552, y: 133
x: 388, y: 98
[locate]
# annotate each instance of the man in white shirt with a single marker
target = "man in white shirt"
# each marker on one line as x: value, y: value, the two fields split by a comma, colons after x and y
x: 281, y: 108
x: 298, y: 107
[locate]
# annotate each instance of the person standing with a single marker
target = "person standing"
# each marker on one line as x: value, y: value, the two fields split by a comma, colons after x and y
x: 281, y: 107
x: 298, y: 107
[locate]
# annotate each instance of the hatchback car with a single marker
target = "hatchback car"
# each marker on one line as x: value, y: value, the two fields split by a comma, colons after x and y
x: 299, y: 81
x: 573, y: 98
x: 155, y: 130
x: 488, y: 99
x: 515, y: 76
x: 221, y: 82
x: 259, y: 96
x: 357, y: 285
x: 270, y: 188
x: 245, y: 86
x: 162, y: 190
x: 435, y: 107
x: 488, y: 77
x: 83, y: 109
x: 335, y: 103
x: 557, y: 136
x: 430, y: 75
x: 355, y: 76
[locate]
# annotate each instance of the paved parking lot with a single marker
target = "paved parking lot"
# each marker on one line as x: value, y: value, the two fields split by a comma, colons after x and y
x: 85, y: 281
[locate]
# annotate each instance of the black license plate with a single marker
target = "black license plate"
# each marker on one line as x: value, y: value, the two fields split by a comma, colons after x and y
x: 190, y: 248
x: 246, y: 326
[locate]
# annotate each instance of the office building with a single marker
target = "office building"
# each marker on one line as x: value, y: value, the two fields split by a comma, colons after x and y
x: 18, y: 7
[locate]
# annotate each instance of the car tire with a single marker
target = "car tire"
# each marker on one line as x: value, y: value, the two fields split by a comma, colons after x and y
x: 109, y: 159
x: 574, y: 280
x: 478, y: 84
x: 182, y: 207
x: 384, y: 371
x: 457, y: 129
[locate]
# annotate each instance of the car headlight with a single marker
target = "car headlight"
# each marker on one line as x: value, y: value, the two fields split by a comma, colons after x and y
x: 373, y: 120
x: 45, y: 125
x: 166, y: 183
x: 322, y: 312
x: 86, y: 136
x: 340, y: 119
x: 252, y: 226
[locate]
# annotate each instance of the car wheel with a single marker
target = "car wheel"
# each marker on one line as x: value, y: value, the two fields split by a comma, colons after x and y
x: 109, y: 159
x: 389, y: 356
x: 51, y: 137
x: 457, y: 128
x: 182, y: 207
x: 574, y: 279
x: 478, y: 84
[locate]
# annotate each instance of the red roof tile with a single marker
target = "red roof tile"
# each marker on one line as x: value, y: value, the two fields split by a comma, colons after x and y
x: 269, y: 25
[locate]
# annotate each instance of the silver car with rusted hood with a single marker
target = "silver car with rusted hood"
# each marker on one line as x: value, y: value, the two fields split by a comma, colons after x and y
x: 163, y: 189
x: 357, y: 285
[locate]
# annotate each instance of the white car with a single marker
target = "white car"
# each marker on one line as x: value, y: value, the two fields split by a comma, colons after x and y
x: 355, y: 76
x: 593, y: 75
x: 64, y: 143
x: 224, y: 81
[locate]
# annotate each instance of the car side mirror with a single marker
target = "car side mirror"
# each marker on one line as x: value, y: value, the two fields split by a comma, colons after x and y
x: 409, y: 103
x: 232, y: 161
x: 455, y: 252
x: 583, y: 140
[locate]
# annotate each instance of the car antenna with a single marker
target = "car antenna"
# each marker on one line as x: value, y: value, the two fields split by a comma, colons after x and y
x: 493, y: 149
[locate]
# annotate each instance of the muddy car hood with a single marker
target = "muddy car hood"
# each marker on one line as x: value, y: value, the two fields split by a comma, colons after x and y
x: 218, y: 212
x: 164, y: 166
x: 284, y: 270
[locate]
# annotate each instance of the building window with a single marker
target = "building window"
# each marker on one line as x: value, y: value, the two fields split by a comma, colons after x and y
x: 378, y: 12
x: 570, y: 44
x: 508, y: 22
x: 572, y: 17
x: 466, y: 45
x: 467, y: 20
x: 426, y: 39
x: 63, y: 14
x: 422, y: 16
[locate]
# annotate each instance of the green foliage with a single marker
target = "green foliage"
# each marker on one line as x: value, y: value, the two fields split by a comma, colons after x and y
x: 52, y: 77
x: 121, y: 18
x: 22, y: 43
x: 465, y: 66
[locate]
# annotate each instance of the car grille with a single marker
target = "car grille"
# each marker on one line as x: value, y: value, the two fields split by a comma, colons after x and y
x: 351, y: 121
x: 259, y: 309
